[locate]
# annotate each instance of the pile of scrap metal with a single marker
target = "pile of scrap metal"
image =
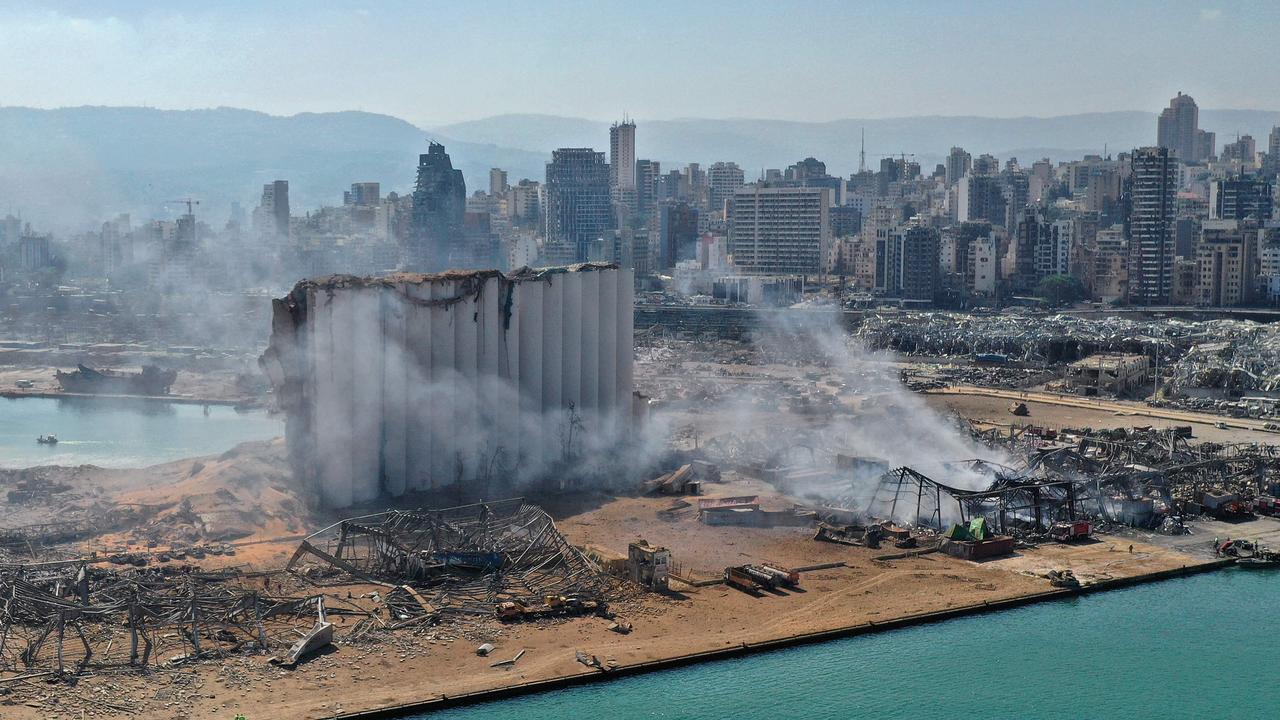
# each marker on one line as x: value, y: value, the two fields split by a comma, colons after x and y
x: 1063, y: 579
x: 755, y: 577
x: 468, y: 560
x: 1229, y: 355
x: 1242, y: 358
x: 1052, y: 338
x: 62, y: 618
x: 858, y: 535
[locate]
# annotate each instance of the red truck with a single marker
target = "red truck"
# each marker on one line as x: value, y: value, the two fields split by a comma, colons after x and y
x: 1267, y: 505
x: 1068, y: 531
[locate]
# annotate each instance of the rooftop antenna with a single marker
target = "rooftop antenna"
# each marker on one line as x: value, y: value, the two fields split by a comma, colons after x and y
x: 862, y: 153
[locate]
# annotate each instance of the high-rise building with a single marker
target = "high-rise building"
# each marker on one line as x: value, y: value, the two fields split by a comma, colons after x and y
x: 622, y: 155
x: 958, y: 164
x: 846, y: 221
x: 1102, y: 191
x: 696, y: 184
x: 272, y: 215
x: 1150, y: 203
x: 1227, y: 263
x: 1244, y: 151
x: 648, y: 177
x: 677, y: 234
x: 725, y: 179
x: 497, y: 182
x: 982, y: 258
x: 1031, y: 233
x: 1053, y: 254
x: 780, y: 230
x: 1205, y: 144
x: 1178, y: 129
x: 579, y: 212
x: 364, y: 194
x: 525, y: 203
x: 809, y: 167
x: 985, y: 164
x: 1016, y: 188
x: 1110, y: 273
x: 1271, y: 167
x: 439, y: 206
x: 881, y: 228
x: 479, y: 247
x: 980, y: 198
x: 622, y: 171
x: 1238, y: 198
x: 919, y: 253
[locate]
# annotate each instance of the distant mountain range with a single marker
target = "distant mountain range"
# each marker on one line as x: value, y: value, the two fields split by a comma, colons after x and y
x: 757, y: 144
x: 70, y: 168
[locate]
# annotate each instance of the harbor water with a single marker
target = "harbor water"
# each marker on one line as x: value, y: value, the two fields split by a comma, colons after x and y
x: 122, y: 433
x: 1197, y: 647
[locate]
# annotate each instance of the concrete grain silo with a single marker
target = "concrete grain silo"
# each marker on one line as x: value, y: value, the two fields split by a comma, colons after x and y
x: 413, y: 382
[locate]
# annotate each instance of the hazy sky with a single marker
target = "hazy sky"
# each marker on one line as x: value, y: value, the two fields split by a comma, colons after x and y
x: 439, y: 62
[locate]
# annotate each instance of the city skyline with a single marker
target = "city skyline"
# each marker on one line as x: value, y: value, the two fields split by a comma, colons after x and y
x: 579, y: 60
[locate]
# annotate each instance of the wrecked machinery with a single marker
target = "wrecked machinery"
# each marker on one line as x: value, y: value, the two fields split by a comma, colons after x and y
x: 467, y: 560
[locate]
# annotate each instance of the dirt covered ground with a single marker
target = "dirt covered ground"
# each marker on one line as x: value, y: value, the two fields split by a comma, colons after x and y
x: 1059, y: 411
x: 244, y: 497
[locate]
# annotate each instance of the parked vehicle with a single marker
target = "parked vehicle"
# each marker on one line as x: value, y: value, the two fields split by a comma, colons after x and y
x: 1070, y: 531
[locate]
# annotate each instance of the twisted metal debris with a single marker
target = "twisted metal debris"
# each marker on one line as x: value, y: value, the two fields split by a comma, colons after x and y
x: 460, y: 560
x: 65, y: 617
x: 1136, y: 476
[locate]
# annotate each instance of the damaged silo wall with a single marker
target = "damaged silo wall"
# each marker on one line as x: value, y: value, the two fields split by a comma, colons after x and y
x: 416, y: 382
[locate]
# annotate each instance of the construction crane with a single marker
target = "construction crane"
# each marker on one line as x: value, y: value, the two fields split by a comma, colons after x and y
x: 902, y: 156
x: 189, y: 202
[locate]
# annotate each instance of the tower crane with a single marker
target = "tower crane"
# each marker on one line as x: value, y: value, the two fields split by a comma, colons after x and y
x: 189, y: 202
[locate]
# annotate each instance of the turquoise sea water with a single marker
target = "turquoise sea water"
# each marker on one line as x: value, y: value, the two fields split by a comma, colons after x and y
x: 121, y: 433
x: 1199, y: 647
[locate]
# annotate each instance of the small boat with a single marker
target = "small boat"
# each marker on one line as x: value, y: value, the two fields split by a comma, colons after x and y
x: 47, y: 439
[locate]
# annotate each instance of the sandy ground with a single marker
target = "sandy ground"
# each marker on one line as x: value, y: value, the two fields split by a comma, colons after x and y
x: 1066, y: 411
x: 244, y: 497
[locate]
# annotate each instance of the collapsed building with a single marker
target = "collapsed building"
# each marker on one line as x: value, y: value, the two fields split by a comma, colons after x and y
x: 412, y: 382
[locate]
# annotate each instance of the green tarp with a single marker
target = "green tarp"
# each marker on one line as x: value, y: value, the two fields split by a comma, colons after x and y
x: 976, y: 530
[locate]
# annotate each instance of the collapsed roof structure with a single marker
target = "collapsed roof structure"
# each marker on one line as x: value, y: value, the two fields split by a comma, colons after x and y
x: 1130, y: 477
x: 460, y: 560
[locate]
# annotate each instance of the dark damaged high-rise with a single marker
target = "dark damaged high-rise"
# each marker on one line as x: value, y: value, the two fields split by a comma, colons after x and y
x: 1151, y: 205
x: 439, y: 207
